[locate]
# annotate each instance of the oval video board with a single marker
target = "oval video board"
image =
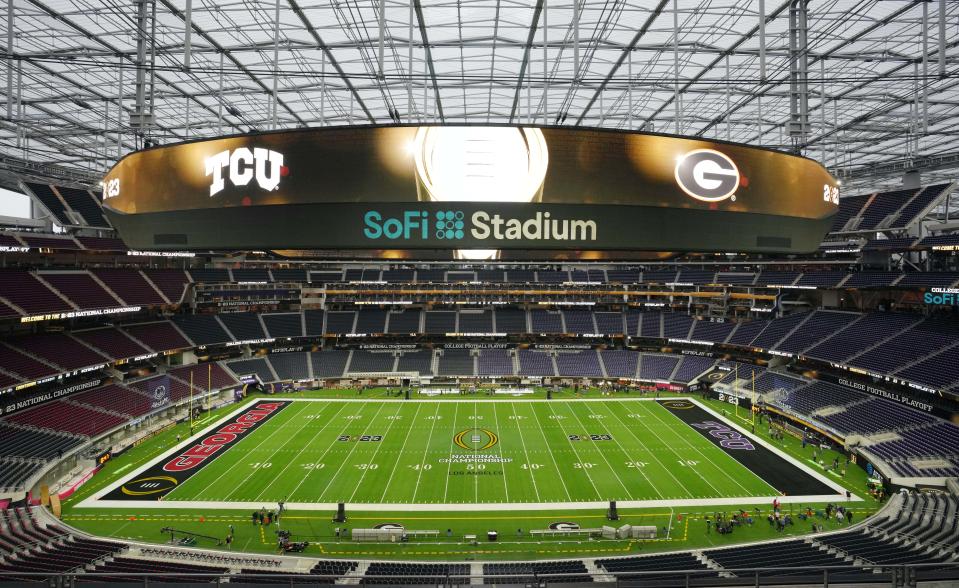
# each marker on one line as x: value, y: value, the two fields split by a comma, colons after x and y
x: 465, y: 187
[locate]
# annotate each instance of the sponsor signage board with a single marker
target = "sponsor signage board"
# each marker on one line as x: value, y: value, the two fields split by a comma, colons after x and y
x: 18, y: 404
x: 941, y: 297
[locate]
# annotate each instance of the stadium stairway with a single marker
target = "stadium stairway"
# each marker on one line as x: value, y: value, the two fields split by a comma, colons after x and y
x: 476, y: 573
x: 598, y: 574
x: 892, y: 335
x: 709, y: 563
x: 56, y: 292
x: 34, y: 357
x: 105, y: 287
x: 355, y: 576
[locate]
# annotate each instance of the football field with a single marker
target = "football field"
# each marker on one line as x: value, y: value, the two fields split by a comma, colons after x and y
x: 464, y: 452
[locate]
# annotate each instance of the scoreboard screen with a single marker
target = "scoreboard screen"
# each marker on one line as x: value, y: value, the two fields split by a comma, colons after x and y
x: 469, y: 187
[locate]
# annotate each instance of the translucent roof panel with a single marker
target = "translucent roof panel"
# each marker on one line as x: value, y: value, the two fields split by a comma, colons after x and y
x: 881, y: 77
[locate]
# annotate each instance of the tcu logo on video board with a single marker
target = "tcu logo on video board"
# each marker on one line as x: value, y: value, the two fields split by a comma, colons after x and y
x: 707, y: 175
x: 244, y: 166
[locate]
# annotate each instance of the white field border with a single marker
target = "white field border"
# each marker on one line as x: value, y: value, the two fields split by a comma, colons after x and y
x: 95, y: 501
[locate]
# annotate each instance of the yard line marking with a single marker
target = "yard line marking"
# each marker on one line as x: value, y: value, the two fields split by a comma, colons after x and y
x: 522, y: 441
x: 230, y: 470
x: 500, y: 432
x: 475, y: 468
x: 681, y: 458
x: 757, y: 476
x: 376, y: 452
x: 578, y: 458
x: 542, y: 433
x: 396, y: 463
x: 302, y: 449
x: 599, y: 451
x: 449, y: 466
x: 685, y: 429
x: 349, y: 454
x: 319, y: 460
x: 426, y: 451
x: 649, y: 451
x: 626, y: 453
x: 492, y: 507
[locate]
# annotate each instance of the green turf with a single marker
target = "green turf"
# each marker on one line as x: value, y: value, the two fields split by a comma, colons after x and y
x: 628, y: 450
x: 144, y: 524
x: 680, y: 528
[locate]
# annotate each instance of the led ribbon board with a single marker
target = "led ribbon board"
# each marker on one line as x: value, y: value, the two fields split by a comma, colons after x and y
x: 469, y: 187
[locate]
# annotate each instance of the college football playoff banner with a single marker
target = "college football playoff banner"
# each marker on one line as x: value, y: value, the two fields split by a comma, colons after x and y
x: 469, y: 187
x: 159, y: 391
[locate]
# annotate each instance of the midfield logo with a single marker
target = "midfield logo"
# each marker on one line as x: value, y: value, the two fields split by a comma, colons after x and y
x: 475, y: 439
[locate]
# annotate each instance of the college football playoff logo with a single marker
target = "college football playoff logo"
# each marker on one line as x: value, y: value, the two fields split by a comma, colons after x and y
x: 475, y: 439
x: 707, y: 175
x: 160, y: 396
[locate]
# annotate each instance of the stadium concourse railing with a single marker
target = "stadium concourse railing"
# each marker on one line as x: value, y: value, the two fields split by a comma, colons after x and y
x: 869, y: 574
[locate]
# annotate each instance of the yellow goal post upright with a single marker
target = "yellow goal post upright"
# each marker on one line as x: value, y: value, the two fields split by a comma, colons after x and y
x: 735, y: 389
x: 190, y: 409
x: 209, y: 389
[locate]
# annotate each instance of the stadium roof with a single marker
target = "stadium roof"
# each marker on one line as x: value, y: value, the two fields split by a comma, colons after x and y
x: 881, y: 93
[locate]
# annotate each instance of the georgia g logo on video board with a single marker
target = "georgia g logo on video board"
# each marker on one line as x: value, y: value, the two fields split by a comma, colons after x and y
x: 707, y: 175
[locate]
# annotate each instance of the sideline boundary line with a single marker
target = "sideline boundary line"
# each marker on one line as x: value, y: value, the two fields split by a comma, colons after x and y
x: 465, y: 507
